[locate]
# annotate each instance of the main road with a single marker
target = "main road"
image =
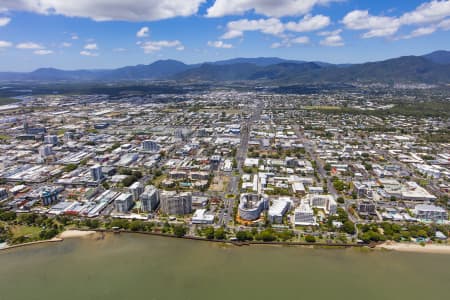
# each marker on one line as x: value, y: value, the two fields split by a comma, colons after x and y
x: 233, y: 187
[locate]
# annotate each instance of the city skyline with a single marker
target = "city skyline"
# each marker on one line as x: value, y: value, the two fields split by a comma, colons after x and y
x: 99, y: 35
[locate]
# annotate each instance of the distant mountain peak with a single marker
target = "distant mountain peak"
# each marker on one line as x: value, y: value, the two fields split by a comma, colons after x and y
x: 439, y: 57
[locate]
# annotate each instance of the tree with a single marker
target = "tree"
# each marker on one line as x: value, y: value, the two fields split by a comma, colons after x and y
x: 179, y: 230
x: 349, y: 227
x: 286, y: 235
x: 105, y: 185
x: 136, y: 225
x: 7, y: 216
x: 244, y: 236
x: 266, y: 236
x: 220, y: 234
x: 70, y: 167
x: 310, y: 239
x: 209, y: 232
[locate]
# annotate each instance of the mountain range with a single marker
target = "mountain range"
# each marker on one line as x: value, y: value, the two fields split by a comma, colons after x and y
x: 433, y: 68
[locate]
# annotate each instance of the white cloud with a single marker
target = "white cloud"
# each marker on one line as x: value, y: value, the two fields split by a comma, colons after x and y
x: 270, y: 8
x: 4, y: 21
x: 29, y: 45
x: 377, y: 26
x: 106, y: 10
x: 88, y: 53
x: 327, y: 33
x: 92, y: 46
x: 431, y: 12
x: 274, y: 26
x: 143, y: 32
x: 332, y: 41
x: 444, y: 25
x: 420, y: 32
x: 153, y: 46
x: 5, y: 44
x: 119, y: 49
x: 302, y: 40
x: 43, y: 52
x: 269, y: 26
x: 66, y: 45
x: 427, y: 12
x: 309, y: 23
x: 75, y: 37
x: 220, y: 44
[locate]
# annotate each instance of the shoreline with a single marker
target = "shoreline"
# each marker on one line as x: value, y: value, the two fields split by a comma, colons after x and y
x: 53, y: 240
x: 415, y: 248
x: 386, y: 246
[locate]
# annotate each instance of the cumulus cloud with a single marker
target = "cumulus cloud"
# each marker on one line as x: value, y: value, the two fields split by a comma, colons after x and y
x: 29, y: 46
x: 153, y: 46
x: 431, y: 12
x: 92, y: 46
x: 126, y: 10
x: 66, y: 45
x: 4, y: 21
x: 427, y: 12
x: 309, y: 23
x: 5, y: 44
x: 75, y: 37
x: 377, y: 26
x: 332, y: 38
x: 88, y: 53
x: 43, y: 52
x: 268, y: 8
x: 143, y: 32
x: 220, y: 44
x: 236, y: 29
x: 274, y: 26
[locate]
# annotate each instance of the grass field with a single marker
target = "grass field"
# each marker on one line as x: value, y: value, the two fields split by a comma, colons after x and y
x: 6, y: 101
x: 28, y: 231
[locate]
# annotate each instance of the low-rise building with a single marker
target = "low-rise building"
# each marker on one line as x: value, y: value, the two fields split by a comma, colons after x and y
x: 426, y: 212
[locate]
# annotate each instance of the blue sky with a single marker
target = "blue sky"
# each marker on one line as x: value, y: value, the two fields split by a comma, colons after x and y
x: 113, y: 33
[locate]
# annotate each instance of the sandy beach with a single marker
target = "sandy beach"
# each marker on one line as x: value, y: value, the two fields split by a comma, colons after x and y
x: 417, y: 248
x: 75, y: 234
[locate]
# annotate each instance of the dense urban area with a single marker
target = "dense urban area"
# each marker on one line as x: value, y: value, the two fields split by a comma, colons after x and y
x: 340, y: 166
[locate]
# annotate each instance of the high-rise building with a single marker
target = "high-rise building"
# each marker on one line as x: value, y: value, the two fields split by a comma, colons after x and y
x: 252, y: 205
x: 49, y: 195
x: 68, y: 136
x: 96, y: 173
x: 51, y: 139
x: 150, y: 198
x: 136, y: 189
x: 178, y: 133
x: 45, y: 150
x: 173, y: 203
x: 123, y: 203
x: 151, y: 146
